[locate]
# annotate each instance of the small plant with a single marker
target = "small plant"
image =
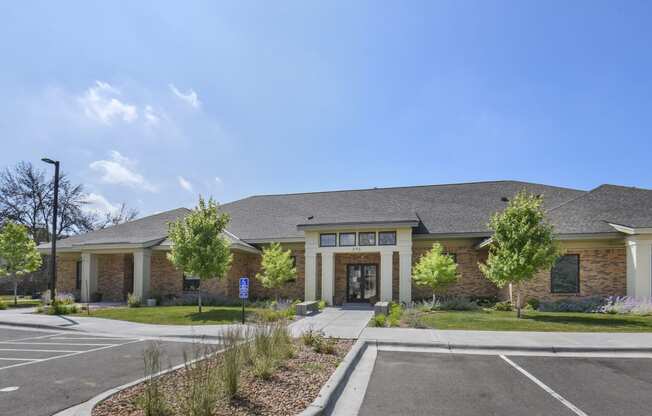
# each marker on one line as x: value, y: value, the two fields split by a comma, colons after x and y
x: 282, y: 342
x: 201, y: 383
x: 321, y: 304
x: 133, y: 301
x: 504, y: 306
x: 264, y: 357
x: 323, y: 345
x: 627, y: 305
x: 532, y: 304
x: 591, y: 304
x: 379, y: 320
x: 455, y: 304
x: 152, y: 402
x: 396, y: 311
x: 3, y: 305
x: 231, y: 362
x: 413, y: 318
x: 308, y: 337
x: 59, y: 308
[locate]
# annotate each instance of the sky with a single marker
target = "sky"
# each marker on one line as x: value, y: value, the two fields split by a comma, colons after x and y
x: 154, y: 103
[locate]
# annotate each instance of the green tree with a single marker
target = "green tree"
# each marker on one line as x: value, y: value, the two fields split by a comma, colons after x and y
x: 277, y: 267
x: 522, y: 244
x: 18, y: 254
x: 198, y: 246
x: 435, y: 269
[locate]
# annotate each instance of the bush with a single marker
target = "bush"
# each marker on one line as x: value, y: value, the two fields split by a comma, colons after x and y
x: 264, y: 354
x: 592, y: 304
x: 455, y: 304
x: 200, y: 388
x: 379, y: 320
x: 308, y: 337
x: 231, y: 362
x: 62, y: 297
x: 133, y: 301
x: 504, y: 306
x: 321, y: 305
x: 152, y: 402
x: 485, y: 301
x: 627, y: 305
x: 396, y: 311
x: 3, y: 305
x: 58, y: 308
x: 323, y: 345
x: 532, y: 304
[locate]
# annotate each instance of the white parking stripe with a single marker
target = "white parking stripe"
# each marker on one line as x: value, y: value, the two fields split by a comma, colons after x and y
x: 39, y: 337
x: 69, y: 355
x: 550, y: 391
x: 33, y: 350
x: 55, y: 343
x: 19, y: 359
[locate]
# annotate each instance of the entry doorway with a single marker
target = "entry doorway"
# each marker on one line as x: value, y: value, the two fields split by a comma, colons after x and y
x: 362, y: 282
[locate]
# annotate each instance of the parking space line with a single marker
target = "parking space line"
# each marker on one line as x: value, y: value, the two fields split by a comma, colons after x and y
x: 36, y: 350
x: 37, y: 337
x: 19, y: 359
x: 550, y: 391
x: 54, y: 343
x: 69, y: 354
x: 95, y: 338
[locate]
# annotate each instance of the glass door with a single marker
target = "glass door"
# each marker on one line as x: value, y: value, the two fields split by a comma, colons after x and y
x: 362, y: 282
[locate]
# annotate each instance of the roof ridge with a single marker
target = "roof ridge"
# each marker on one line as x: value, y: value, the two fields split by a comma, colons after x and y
x: 576, y: 198
x: 406, y: 187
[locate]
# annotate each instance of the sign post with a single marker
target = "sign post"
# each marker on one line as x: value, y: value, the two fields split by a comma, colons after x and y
x: 244, y: 294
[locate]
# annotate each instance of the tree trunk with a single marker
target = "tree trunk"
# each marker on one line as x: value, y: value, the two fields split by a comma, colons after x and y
x: 433, y: 299
x: 518, y: 300
x: 15, y: 291
x: 199, y: 301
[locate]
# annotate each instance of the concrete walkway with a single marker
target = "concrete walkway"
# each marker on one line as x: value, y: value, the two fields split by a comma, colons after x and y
x: 338, y: 322
x: 540, y: 341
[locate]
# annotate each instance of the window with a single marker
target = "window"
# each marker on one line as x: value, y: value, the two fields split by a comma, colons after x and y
x: 347, y: 239
x: 78, y: 276
x: 387, y: 238
x: 367, y: 239
x: 191, y: 283
x: 327, y: 240
x: 565, y: 275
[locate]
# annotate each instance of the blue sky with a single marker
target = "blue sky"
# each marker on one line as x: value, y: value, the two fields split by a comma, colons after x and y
x: 152, y: 103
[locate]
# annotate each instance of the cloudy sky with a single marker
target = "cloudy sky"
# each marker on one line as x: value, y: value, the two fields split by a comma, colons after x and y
x: 154, y: 103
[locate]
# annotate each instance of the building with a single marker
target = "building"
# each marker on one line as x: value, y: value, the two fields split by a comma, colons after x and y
x: 360, y: 245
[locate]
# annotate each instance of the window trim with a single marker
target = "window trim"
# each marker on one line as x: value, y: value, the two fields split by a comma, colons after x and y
x: 367, y: 245
x: 386, y: 232
x: 339, y: 239
x: 324, y: 234
x: 79, y: 270
x: 578, y: 277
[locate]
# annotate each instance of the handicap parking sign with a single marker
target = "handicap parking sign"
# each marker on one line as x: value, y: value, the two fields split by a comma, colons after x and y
x: 244, y: 288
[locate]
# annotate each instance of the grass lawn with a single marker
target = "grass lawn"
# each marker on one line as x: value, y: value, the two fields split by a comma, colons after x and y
x: 25, y: 302
x: 173, y: 315
x: 537, y: 321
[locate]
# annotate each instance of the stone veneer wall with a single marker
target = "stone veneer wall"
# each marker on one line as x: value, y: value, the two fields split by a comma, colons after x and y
x: 341, y: 261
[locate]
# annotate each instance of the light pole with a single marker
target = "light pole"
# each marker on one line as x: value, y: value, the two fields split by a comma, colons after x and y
x: 53, y: 254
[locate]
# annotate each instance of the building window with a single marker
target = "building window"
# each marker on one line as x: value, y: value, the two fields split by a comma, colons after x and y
x: 387, y: 238
x: 191, y: 283
x: 347, y: 239
x: 327, y: 240
x: 367, y: 239
x: 565, y: 274
x: 78, y: 276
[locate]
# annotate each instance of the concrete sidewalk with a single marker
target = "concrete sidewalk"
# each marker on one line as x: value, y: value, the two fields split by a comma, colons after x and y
x: 512, y: 340
x: 337, y: 322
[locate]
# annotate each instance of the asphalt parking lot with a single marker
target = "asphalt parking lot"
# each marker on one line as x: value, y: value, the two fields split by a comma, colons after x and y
x: 42, y: 372
x: 421, y: 383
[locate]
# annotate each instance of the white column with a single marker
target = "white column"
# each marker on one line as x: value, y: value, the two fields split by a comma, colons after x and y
x: 327, y: 277
x: 310, y: 284
x: 89, y: 276
x: 639, y: 267
x: 386, y: 271
x: 404, y: 242
x: 142, y: 265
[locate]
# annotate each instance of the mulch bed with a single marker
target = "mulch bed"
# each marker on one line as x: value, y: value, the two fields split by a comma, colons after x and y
x: 289, y: 391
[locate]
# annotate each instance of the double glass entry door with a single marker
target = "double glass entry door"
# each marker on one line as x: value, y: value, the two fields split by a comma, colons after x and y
x: 362, y: 282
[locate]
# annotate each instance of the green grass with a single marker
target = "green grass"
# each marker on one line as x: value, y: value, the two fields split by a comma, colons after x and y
x: 537, y: 321
x: 25, y: 302
x: 173, y: 315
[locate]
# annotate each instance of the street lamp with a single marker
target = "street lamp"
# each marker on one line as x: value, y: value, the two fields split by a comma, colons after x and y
x: 53, y: 254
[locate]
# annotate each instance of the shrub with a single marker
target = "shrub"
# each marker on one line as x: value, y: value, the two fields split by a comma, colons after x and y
x: 58, y: 308
x: 62, y: 297
x: 455, y: 304
x: 627, y: 305
x: 264, y: 357
x: 308, y: 337
x: 323, y: 345
x: 504, y: 306
x: 591, y: 304
x: 3, y: 305
x: 485, y: 301
x: 152, y: 402
x: 133, y: 301
x: 231, y: 362
x: 322, y: 304
x: 379, y: 320
x: 413, y: 318
x: 532, y: 304
x: 396, y: 311
x: 282, y: 342
x: 201, y: 383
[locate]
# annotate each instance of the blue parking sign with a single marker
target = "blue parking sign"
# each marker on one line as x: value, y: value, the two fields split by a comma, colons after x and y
x: 244, y: 288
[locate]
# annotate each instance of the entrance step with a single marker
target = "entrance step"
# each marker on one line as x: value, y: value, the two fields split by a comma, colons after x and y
x: 358, y: 306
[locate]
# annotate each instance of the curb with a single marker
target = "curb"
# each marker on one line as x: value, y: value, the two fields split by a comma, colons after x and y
x: 38, y: 326
x: 333, y: 387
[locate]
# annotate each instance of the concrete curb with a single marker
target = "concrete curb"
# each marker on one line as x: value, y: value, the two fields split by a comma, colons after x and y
x: 333, y: 387
x: 37, y: 326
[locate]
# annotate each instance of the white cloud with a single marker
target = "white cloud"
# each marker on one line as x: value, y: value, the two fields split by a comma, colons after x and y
x: 120, y: 170
x: 151, y: 118
x: 190, y: 97
x: 98, y: 204
x: 185, y: 184
x: 99, y: 104
x: 218, y: 180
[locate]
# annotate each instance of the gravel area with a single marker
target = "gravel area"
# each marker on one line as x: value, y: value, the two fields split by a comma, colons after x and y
x: 294, y: 385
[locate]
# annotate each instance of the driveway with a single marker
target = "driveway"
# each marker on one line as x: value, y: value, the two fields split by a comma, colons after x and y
x: 339, y: 322
x: 421, y: 383
x: 43, y: 372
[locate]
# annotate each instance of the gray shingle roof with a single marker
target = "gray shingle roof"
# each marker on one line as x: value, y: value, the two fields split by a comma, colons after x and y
x: 442, y: 209
x: 591, y: 212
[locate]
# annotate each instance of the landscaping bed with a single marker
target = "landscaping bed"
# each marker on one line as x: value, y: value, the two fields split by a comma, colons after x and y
x: 292, y: 386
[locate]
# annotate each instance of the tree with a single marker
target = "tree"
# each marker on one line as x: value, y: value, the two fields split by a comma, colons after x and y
x: 435, y: 269
x: 277, y: 267
x: 18, y: 254
x: 198, y: 246
x: 124, y: 214
x: 522, y: 244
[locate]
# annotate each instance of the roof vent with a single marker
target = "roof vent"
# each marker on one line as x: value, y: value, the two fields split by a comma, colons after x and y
x: 311, y: 217
x: 504, y: 199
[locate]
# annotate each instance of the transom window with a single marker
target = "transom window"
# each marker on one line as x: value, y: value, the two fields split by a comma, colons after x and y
x: 565, y: 274
x: 327, y: 240
x: 347, y: 239
x: 387, y: 238
x: 367, y: 239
